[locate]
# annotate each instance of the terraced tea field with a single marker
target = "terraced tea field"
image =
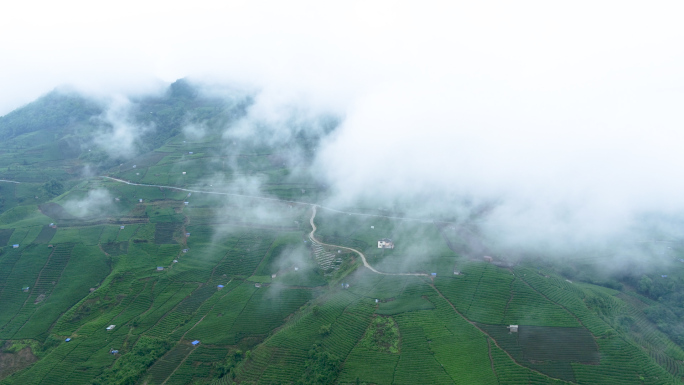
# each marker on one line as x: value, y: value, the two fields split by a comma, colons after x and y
x: 213, y: 259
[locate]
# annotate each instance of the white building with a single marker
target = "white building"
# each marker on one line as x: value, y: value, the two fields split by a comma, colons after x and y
x: 513, y: 328
x: 110, y: 327
x: 385, y: 243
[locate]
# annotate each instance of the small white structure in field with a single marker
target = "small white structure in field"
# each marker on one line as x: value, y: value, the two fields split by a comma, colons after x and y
x: 185, y: 250
x: 160, y: 268
x: 117, y: 199
x: 513, y: 328
x: 15, y: 246
x: 186, y: 203
x: 110, y: 327
x: 137, y: 173
x: 175, y: 261
x: 372, y: 227
x: 257, y: 284
x: 134, y: 166
x: 183, y: 172
x: 385, y: 243
x: 122, y: 227
x: 140, y: 200
x: 488, y: 258
x: 190, y: 152
x: 296, y: 268
x: 376, y: 300
x: 273, y: 276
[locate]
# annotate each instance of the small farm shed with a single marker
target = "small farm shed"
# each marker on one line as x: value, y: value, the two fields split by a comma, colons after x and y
x: 513, y: 328
x: 195, y: 342
x: 110, y: 327
x: 219, y: 287
x: 488, y: 258
x: 15, y: 246
x: 160, y: 268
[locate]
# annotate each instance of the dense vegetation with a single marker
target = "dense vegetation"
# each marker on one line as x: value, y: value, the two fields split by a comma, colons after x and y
x: 225, y: 287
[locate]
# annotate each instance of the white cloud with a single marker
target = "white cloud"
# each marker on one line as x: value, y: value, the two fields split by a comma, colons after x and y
x: 119, y: 137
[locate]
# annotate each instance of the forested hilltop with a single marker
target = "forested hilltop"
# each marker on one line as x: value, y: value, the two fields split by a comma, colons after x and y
x: 185, y: 238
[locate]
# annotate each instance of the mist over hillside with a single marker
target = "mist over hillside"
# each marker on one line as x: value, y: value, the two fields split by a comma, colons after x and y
x: 523, y: 195
x: 360, y: 192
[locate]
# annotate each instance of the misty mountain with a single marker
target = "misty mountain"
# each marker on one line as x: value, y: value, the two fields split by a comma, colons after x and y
x: 201, y: 220
x: 53, y: 113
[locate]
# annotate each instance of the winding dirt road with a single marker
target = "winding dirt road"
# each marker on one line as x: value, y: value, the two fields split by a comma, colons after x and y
x: 265, y: 198
x: 360, y: 254
x: 313, y: 215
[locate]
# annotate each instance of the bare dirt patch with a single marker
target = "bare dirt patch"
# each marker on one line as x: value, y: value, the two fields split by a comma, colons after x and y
x: 14, y: 362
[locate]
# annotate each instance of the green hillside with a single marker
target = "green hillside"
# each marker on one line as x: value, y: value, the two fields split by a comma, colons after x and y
x: 196, y: 249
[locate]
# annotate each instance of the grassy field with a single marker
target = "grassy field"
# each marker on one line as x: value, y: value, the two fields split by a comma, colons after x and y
x: 237, y: 274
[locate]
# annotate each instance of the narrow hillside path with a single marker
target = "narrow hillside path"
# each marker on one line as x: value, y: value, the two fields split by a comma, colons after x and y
x: 180, y: 364
x: 360, y: 254
x: 266, y: 198
x: 9, y: 181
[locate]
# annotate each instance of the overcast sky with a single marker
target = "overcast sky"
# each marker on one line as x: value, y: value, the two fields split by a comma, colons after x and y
x: 565, y: 103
